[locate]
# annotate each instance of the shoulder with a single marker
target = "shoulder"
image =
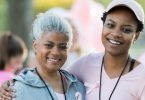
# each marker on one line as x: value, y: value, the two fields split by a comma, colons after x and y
x: 76, y: 84
x: 141, y: 71
x: 137, y: 76
x: 86, y: 65
x: 88, y: 60
x: 72, y: 78
x: 21, y: 90
x: 92, y: 56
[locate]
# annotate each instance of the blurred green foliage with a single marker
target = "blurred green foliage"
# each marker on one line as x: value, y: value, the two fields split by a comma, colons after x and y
x: 3, y: 15
x: 43, y: 5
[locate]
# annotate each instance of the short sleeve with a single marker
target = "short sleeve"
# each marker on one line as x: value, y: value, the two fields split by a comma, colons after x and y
x: 78, y: 67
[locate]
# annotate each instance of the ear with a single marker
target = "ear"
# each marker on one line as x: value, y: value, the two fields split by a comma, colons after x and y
x: 34, y: 45
x: 136, y: 36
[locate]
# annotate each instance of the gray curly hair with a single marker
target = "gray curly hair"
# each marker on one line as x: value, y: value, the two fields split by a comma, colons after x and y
x: 50, y: 22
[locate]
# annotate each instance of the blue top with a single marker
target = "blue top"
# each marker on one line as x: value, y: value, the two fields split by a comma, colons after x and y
x: 28, y: 86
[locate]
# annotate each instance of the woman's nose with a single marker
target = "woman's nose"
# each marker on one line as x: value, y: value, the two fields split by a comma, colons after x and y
x: 55, y: 50
x: 116, y: 33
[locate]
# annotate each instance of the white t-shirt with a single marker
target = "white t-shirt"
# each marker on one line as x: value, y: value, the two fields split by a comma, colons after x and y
x: 130, y: 87
x: 60, y: 96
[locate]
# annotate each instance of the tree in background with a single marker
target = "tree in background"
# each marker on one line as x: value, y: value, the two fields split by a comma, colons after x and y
x: 20, y: 18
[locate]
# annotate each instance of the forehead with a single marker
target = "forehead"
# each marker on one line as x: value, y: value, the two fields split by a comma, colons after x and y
x: 123, y: 10
x: 54, y: 37
x: 122, y: 15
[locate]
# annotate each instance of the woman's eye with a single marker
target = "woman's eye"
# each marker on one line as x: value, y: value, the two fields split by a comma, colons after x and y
x: 126, y: 30
x: 109, y: 25
x: 49, y: 45
x: 63, y: 47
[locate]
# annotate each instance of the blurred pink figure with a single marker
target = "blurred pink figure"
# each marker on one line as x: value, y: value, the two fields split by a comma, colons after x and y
x: 13, y: 52
x: 88, y: 14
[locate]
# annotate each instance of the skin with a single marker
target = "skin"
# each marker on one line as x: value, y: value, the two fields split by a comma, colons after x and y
x: 51, y: 53
x: 119, y: 32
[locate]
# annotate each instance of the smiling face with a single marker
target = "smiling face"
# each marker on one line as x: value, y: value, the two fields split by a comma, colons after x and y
x: 119, y: 31
x: 51, y: 51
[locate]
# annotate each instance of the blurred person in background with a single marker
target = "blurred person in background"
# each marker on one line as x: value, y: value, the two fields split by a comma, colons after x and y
x: 87, y: 14
x: 12, y: 55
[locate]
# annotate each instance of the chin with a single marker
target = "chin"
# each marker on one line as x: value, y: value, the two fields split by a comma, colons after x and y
x: 114, y: 53
x: 53, y: 68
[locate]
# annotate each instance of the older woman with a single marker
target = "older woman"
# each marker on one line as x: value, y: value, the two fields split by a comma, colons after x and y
x: 114, y: 74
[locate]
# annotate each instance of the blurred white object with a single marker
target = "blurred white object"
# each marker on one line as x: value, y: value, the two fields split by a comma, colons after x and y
x: 88, y: 14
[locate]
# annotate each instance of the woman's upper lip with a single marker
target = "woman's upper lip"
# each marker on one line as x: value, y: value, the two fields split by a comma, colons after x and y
x: 54, y: 58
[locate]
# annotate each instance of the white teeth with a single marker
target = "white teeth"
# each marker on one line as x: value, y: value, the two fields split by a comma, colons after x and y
x: 54, y: 60
x: 114, y: 42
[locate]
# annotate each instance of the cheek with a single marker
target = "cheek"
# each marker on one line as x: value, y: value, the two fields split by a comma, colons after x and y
x: 41, y: 51
x: 40, y: 55
x: 103, y: 35
x: 104, y: 31
x: 129, y: 41
x: 65, y: 54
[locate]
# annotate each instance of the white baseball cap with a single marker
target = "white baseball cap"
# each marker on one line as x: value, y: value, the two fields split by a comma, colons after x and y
x: 131, y: 4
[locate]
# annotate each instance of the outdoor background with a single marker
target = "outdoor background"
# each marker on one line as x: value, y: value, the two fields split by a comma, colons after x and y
x: 17, y: 16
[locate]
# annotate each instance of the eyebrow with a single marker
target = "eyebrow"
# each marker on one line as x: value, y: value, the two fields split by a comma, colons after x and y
x: 47, y: 42
x: 62, y: 43
x: 126, y: 25
x: 110, y: 20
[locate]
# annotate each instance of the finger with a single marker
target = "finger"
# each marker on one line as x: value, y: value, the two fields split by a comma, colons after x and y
x: 11, y: 82
x: 6, y: 90
x: 6, y: 98
x: 7, y: 86
x: 4, y: 93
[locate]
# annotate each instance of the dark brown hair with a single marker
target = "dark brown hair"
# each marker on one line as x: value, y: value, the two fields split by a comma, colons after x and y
x: 10, y: 46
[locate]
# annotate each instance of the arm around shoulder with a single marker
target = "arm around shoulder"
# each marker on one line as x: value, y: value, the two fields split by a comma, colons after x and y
x: 19, y: 91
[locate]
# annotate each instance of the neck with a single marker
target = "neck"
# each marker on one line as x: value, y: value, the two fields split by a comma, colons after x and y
x: 114, y: 65
x: 54, y: 79
x: 9, y: 68
x: 115, y: 62
x: 48, y: 76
